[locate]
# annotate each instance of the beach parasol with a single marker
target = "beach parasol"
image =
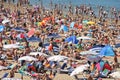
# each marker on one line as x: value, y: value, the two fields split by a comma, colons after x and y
x: 88, y: 53
x: 33, y: 39
x: 84, y: 38
x: 85, y: 21
x: 57, y: 58
x: 115, y: 75
x: 79, y: 69
x: 36, y: 53
x: 94, y: 58
x: 27, y: 58
x: 91, y: 22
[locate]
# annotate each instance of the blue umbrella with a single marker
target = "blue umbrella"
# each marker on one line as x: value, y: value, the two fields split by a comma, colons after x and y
x: 33, y: 39
x: 85, y: 21
x: 72, y: 39
x: 1, y: 28
x: 72, y: 25
x: 64, y: 28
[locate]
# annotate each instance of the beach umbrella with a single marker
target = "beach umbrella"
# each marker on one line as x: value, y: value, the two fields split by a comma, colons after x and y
x: 64, y: 28
x: 2, y: 67
x: 91, y: 22
x: 97, y: 49
x: 107, y: 51
x: 57, y: 58
x: 31, y: 32
x: 115, y: 75
x: 84, y: 38
x: 85, y: 21
x: 88, y: 53
x: 10, y: 79
x: 27, y: 58
x: 100, y: 65
x: 79, y: 69
x: 1, y: 28
x: 72, y: 24
x: 72, y: 39
x: 33, y: 39
x: 5, y: 21
x: 36, y: 53
x: 94, y: 58
x: 9, y: 46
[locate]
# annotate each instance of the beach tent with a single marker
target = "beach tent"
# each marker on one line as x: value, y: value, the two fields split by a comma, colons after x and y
x: 72, y: 39
x: 33, y: 39
x: 107, y: 51
x: 64, y: 28
x: 1, y: 28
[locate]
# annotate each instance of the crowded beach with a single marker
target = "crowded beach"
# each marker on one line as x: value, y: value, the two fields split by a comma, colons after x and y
x: 50, y: 44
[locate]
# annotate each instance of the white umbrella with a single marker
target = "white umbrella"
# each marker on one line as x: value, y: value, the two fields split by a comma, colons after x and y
x: 2, y: 67
x: 36, y: 53
x: 98, y: 49
x: 84, y: 38
x: 57, y: 58
x: 88, y: 53
x: 115, y: 75
x: 8, y: 46
x: 27, y: 58
x: 5, y: 21
x: 79, y: 69
x: 10, y: 79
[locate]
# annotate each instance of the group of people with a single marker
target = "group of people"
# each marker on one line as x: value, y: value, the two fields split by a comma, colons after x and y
x: 40, y: 23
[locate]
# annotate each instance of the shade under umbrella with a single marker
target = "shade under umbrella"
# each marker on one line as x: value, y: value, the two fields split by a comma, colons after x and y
x: 79, y: 69
x: 27, y: 58
x: 94, y: 58
x: 57, y: 58
x: 36, y: 53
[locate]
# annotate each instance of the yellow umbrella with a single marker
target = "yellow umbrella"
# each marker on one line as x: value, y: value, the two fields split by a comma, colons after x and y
x: 91, y: 22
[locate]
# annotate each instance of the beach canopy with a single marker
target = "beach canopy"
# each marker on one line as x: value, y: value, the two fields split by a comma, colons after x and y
x: 57, y: 58
x: 37, y: 53
x: 88, y: 53
x: 107, y: 51
x: 33, y: 39
x: 79, y: 69
x: 27, y: 58
x: 72, y: 39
